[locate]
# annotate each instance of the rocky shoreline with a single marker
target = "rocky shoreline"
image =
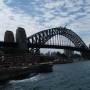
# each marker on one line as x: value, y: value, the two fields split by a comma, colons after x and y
x: 18, y: 73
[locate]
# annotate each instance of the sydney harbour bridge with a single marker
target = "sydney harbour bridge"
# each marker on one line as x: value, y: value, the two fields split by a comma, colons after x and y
x: 50, y: 38
x: 20, y: 55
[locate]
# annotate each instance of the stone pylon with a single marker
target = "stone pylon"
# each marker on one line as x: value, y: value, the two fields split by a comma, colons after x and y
x: 9, y: 37
x: 21, y: 38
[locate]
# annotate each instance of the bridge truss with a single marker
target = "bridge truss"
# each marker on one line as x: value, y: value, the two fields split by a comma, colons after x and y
x: 52, y: 37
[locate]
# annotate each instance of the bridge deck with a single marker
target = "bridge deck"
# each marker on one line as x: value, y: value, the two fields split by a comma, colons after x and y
x: 58, y: 47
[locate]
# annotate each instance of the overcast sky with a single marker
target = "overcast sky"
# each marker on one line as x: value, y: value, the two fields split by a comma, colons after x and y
x: 37, y: 15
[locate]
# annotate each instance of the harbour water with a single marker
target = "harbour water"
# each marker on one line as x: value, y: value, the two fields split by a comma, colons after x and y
x: 73, y: 76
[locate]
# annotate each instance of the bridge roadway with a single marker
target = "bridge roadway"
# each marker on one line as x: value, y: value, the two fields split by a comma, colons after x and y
x: 13, y: 48
x: 59, y: 47
x: 5, y: 44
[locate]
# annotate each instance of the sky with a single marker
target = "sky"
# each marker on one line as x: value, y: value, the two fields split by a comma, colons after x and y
x: 38, y: 15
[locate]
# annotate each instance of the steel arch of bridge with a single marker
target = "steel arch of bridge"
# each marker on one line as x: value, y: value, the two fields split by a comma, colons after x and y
x: 42, y: 37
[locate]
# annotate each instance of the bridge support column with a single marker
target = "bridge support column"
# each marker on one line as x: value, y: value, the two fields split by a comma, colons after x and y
x: 85, y: 54
x: 68, y: 53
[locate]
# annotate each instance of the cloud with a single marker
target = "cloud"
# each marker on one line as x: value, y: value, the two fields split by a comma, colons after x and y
x: 9, y: 1
x: 81, y: 25
x: 53, y: 5
x: 10, y: 21
x: 82, y: 28
x: 36, y: 15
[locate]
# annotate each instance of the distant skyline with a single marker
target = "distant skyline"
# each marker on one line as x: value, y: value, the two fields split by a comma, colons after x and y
x: 37, y: 15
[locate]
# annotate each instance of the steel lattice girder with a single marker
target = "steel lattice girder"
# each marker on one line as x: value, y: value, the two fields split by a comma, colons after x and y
x: 43, y: 36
